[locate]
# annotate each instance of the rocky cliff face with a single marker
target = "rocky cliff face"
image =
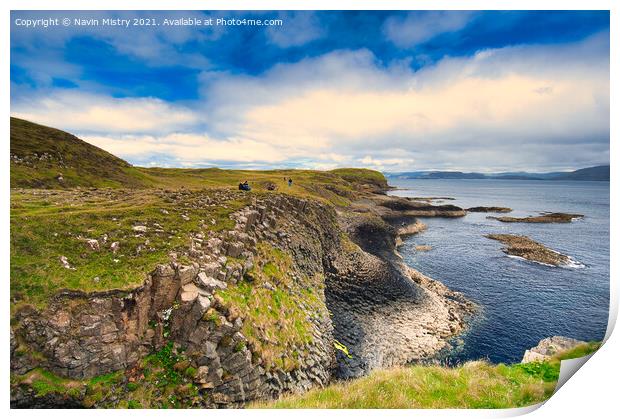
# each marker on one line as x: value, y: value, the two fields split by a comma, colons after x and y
x: 85, y: 335
x: 249, y: 310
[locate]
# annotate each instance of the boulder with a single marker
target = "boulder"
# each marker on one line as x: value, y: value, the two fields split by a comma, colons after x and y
x: 234, y: 249
x: 189, y: 292
x: 115, y: 246
x: 209, y: 283
x: 92, y: 244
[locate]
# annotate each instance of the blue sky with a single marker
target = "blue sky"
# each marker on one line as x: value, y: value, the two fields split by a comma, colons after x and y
x: 390, y: 90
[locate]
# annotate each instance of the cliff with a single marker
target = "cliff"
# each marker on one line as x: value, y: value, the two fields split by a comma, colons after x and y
x: 191, y: 296
x: 249, y: 313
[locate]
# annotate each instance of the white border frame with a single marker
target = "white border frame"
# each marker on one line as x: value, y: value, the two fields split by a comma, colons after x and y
x: 591, y: 394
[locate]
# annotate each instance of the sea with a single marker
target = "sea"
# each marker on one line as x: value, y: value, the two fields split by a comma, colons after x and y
x: 521, y: 302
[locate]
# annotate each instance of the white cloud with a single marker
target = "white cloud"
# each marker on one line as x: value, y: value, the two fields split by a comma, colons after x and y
x: 420, y: 26
x: 526, y: 107
x: 514, y: 100
x: 189, y: 149
x: 83, y: 113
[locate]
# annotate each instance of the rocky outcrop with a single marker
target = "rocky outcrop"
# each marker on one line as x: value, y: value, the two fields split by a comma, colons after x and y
x: 526, y: 248
x: 82, y: 335
x: 548, y: 347
x: 489, y: 209
x: 393, y: 207
x: 551, y: 217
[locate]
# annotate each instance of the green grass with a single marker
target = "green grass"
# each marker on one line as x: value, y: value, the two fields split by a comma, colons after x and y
x: 44, y: 228
x: 274, y: 324
x: 80, y: 163
x: 473, y: 385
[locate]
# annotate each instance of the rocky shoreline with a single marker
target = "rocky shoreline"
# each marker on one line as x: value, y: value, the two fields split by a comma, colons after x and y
x: 401, y: 316
x: 382, y: 311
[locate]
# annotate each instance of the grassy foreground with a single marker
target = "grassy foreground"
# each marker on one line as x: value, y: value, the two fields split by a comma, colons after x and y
x: 473, y: 385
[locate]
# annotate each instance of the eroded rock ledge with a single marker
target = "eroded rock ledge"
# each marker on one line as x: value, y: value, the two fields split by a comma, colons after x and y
x: 385, y: 313
x: 549, y: 347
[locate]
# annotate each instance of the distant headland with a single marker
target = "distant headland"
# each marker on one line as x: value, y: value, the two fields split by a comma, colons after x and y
x: 595, y: 173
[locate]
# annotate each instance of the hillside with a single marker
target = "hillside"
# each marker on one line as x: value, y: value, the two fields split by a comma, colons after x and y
x: 589, y: 173
x: 596, y: 173
x: 44, y: 157
x: 172, y: 288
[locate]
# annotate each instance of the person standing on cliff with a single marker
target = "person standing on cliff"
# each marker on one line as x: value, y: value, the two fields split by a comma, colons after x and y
x: 290, y: 182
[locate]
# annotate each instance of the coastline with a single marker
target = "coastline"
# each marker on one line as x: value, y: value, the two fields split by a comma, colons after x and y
x: 384, y: 312
x: 403, y: 317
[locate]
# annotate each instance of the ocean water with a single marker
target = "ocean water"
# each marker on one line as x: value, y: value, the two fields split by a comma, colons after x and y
x: 521, y: 302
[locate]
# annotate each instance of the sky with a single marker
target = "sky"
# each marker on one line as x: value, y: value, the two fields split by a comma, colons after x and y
x: 394, y: 91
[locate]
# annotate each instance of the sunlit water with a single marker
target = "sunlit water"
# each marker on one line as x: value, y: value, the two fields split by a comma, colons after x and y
x: 522, y: 302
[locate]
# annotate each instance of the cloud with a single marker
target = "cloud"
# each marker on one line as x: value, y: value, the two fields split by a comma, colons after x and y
x: 87, y: 113
x: 188, y: 149
x: 522, y: 107
x: 299, y: 28
x: 153, y: 44
x: 513, y: 100
x: 421, y: 26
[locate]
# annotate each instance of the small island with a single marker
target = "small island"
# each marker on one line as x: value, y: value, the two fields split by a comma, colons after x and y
x: 550, y: 217
x: 526, y: 248
x: 489, y: 209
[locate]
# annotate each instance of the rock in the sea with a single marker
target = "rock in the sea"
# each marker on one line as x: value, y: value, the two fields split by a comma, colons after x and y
x: 551, y: 217
x: 489, y: 209
x: 549, y: 347
x: 526, y: 248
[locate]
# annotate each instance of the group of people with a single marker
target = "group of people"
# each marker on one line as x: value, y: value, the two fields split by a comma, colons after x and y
x: 245, y: 186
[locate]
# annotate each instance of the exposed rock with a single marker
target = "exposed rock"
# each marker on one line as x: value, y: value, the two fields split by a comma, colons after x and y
x: 489, y: 209
x: 548, y: 347
x: 384, y: 313
x: 92, y: 244
x: 65, y: 263
x: 209, y: 283
x: 552, y: 217
x: 524, y: 247
x: 409, y: 229
x: 423, y: 248
x: 189, y: 292
x: 234, y: 249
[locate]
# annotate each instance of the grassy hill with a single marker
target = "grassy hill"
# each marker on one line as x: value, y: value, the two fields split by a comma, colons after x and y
x: 43, y: 157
